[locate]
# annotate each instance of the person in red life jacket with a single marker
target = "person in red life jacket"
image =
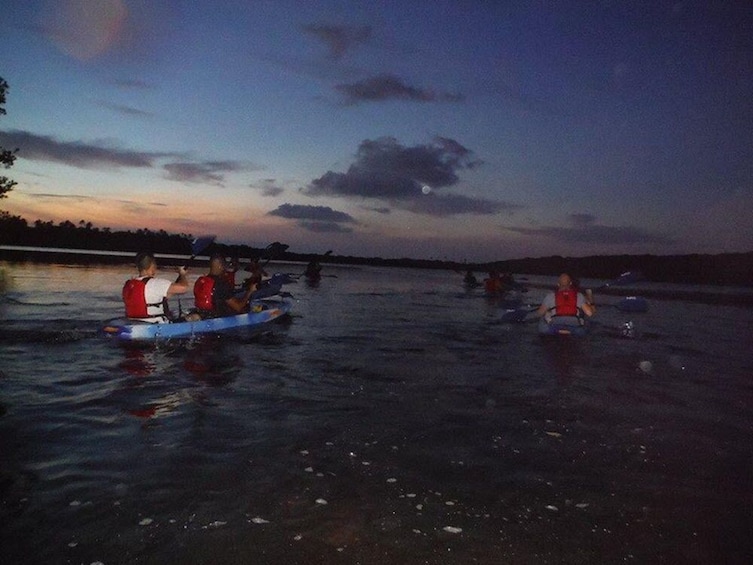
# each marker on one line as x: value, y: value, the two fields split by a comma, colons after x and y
x: 145, y: 296
x: 493, y: 284
x: 230, y: 270
x: 213, y: 294
x: 567, y: 300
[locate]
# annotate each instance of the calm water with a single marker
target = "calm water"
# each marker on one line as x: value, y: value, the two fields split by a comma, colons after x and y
x: 392, y: 419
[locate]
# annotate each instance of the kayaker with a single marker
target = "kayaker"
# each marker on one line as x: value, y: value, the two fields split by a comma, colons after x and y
x: 313, y: 270
x: 213, y: 294
x: 145, y: 296
x: 566, y: 300
x: 470, y: 279
x: 493, y: 283
x: 230, y: 269
x: 257, y: 273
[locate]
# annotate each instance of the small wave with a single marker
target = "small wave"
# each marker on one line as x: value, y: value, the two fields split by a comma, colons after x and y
x: 13, y: 300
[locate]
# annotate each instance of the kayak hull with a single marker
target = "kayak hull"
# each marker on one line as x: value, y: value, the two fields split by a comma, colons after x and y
x: 563, y: 325
x: 262, y: 312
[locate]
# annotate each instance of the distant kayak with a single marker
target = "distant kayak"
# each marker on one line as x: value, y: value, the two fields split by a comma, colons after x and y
x: 563, y: 325
x: 262, y: 312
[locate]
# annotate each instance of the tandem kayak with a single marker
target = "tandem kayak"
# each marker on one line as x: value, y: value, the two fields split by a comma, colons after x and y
x: 563, y: 325
x: 262, y: 312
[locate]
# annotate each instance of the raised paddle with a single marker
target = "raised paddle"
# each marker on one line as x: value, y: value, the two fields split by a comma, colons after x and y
x: 199, y: 244
x: 625, y: 278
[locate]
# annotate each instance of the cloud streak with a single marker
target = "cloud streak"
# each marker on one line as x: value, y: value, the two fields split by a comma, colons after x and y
x: 389, y: 87
x: 212, y: 172
x: 95, y: 156
x: 76, y: 153
x: 126, y: 110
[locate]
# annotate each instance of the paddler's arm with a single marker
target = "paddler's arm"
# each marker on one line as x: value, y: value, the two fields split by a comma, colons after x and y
x: 589, y: 307
x: 181, y: 285
x: 240, y: 303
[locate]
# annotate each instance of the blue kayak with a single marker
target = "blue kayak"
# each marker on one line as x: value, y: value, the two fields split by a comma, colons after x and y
x: 261, y: 312
x: 563, y: 325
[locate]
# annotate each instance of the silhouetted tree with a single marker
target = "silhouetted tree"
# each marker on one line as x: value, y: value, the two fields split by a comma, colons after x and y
x: 7, y: 157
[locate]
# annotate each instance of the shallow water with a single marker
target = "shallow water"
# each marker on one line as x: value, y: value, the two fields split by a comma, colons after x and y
x: 391, y: 419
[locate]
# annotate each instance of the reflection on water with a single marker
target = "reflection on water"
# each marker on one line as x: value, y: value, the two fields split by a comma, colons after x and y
x: 392, y: 419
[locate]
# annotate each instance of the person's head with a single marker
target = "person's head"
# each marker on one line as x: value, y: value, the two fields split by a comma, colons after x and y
x: 564, y: 281
x: 216, y: 264
x: 145, y: 262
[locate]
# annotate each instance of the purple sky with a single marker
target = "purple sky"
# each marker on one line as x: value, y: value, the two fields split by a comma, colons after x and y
x: 461, y: 130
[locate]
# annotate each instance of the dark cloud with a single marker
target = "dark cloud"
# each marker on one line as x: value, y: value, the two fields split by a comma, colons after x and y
x: 315, y: 213
x: 389, y: 87
x: 319, y: 219
x: 270, y: 188
x: 386, y: 169
x: 594, y: 233
x: 75, y: 153
x: 209, y: 171
x: 339, y: 39
x: 408, y: 178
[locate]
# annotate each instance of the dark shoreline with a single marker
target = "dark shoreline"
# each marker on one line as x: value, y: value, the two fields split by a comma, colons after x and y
x: 744, y: 298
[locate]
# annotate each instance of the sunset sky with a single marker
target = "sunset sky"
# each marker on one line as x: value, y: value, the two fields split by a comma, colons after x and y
x: 466, y: 130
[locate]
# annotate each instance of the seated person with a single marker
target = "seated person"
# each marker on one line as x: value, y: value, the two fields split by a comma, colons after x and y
x: 145, y: 296
x: 215, y: 296
x: 566, y: 301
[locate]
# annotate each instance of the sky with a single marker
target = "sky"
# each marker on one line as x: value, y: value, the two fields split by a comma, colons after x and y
x: 461, y: 130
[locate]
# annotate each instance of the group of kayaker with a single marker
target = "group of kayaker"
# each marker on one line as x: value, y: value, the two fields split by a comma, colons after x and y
x: 145, y: 296
x: 215, y: 294
x: 565, y: 300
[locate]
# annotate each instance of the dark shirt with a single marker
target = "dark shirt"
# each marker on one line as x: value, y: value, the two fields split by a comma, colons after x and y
x: 222, y: 291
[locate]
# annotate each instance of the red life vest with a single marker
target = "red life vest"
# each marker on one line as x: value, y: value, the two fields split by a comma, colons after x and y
x: 566, y: 302
x: 203, y: 292
x: 493, y: 285
x: 134, y: 297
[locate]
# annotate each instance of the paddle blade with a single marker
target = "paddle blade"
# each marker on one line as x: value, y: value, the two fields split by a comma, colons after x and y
x: 275, y: 248
x: 199, y: 244
x: 514, y: 315
x: 625, y: 278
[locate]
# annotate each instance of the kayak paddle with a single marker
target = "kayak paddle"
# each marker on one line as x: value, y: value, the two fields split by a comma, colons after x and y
x: 199, y: 244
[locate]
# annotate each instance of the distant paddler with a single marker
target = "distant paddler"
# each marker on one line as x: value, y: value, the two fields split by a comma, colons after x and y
x: 566, y: 301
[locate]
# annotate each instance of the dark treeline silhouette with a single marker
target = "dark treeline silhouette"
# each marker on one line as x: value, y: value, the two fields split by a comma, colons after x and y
x: 733, y: 269
x: 15, y: 230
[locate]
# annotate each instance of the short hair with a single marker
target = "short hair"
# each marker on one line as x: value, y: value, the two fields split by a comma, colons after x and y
x: 144, y: 260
